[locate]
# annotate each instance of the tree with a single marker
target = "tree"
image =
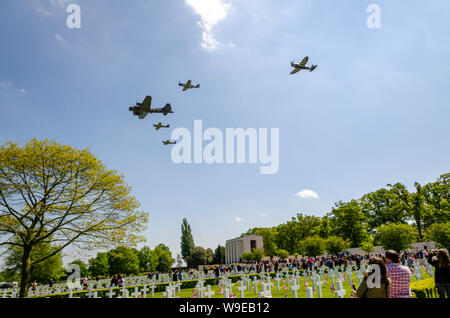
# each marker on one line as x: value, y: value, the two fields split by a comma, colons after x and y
x: 334, y: 245
x: 313, y: 246
x: 413, y: 204
x: 52, y: 193
x: 123, y: 260
x: 349, y: 222
x: 99, y: 265
x: 248, y: 256
x: 200, y: 256
x: 367, y: 246
x: 439, y: 233
x: 148, y: 260
x: 258, y: 254
x: 437, y: 197
x: 382, y: 207
x: 396, y: 237
x: 219, y: 255
x: 165, y: 259
x: 51, y: 268
x: 187, y: 240
x: 282, y: 254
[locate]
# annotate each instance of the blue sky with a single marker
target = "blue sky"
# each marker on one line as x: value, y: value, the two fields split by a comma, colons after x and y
x: 375, y: 111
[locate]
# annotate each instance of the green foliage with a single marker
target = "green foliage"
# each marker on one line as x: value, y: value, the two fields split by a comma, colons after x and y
x: 148, y: 260
x: 254, y: 255
x: 313, y: 246
x: 349, y: 222
x: 200, y: 256
x: 187, y: 241
x: 123, y: 260
x: 382, y: 207
x: 99, y: 266
x: 49, y: 190
x: 424, y: 288
x: 396, y: 237
x: 219, y: 255
x: 282, y: 254
x: 51, y: 268
x: 164, y: 257
x: 334, y: 245
x: 439, y: 233
x: 367, y: 246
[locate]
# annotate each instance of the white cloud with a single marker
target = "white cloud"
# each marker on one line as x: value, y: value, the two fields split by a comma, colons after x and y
x: 12, y: 86
x: 238, y: 219
x: 263, y: 214
x: 60, y: 3
x: 211, y: 12
x: 43, y: 12
x: 307, y: 194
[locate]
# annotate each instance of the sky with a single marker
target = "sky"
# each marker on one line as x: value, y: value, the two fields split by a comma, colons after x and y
x: 374, y: 112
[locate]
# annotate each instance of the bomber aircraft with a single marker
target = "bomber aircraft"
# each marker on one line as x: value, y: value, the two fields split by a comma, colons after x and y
x: 160, y: 125
x: 143, y: 109
x: 188, y: 85
x: 168, y: 142
x: 302, y: 66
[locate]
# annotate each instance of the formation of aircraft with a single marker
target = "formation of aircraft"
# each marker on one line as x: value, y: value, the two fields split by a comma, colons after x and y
x: 159, y: 125
x: 143, y: 109
x: 302, y: 66
x: 188, y: 85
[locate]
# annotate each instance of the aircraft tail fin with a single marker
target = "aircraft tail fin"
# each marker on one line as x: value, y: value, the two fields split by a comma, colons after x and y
x: 197, y: 86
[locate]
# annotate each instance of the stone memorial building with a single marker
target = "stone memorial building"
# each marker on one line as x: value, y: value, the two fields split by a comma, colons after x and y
x: 234, y: 248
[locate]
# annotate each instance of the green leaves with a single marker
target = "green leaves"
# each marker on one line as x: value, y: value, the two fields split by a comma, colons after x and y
x: 396, y: 237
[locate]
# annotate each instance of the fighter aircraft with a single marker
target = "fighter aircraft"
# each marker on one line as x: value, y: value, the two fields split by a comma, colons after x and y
x: 302, y: 66
x: 188, y: 85
x: 143, y: 109
x: 168, y: 142
x: 159, y: 126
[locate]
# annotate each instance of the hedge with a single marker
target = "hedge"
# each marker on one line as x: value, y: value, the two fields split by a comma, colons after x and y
x: 424, y: 288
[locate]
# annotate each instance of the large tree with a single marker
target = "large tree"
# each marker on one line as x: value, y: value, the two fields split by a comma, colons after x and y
x: 53, y: 193
x: 396, y: 237
x: 200, y: 256
x: 51, y: 268
x: 165, y: 259
x: 187, y: 240
x: 219, y: 255
x: 382, y: 207
x: 349, y: 222
x: 123, y: 260
x: 99, y: 265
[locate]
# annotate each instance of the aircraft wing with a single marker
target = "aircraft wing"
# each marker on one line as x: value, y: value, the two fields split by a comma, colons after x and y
x: 295, y: 70
x: 187, y: 86
x: 146, y: 104
x: 303, y: 63
x: 142, y: 115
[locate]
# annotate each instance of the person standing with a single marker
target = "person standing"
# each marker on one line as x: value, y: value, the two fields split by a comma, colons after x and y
x: 400, y: 276
x: 365, y: 290
x: 440, y: 260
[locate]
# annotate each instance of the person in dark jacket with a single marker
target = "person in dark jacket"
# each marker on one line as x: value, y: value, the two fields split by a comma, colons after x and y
x: 440, y: 260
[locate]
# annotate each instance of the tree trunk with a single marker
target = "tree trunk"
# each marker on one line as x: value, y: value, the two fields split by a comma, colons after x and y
x: 25, y: 272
